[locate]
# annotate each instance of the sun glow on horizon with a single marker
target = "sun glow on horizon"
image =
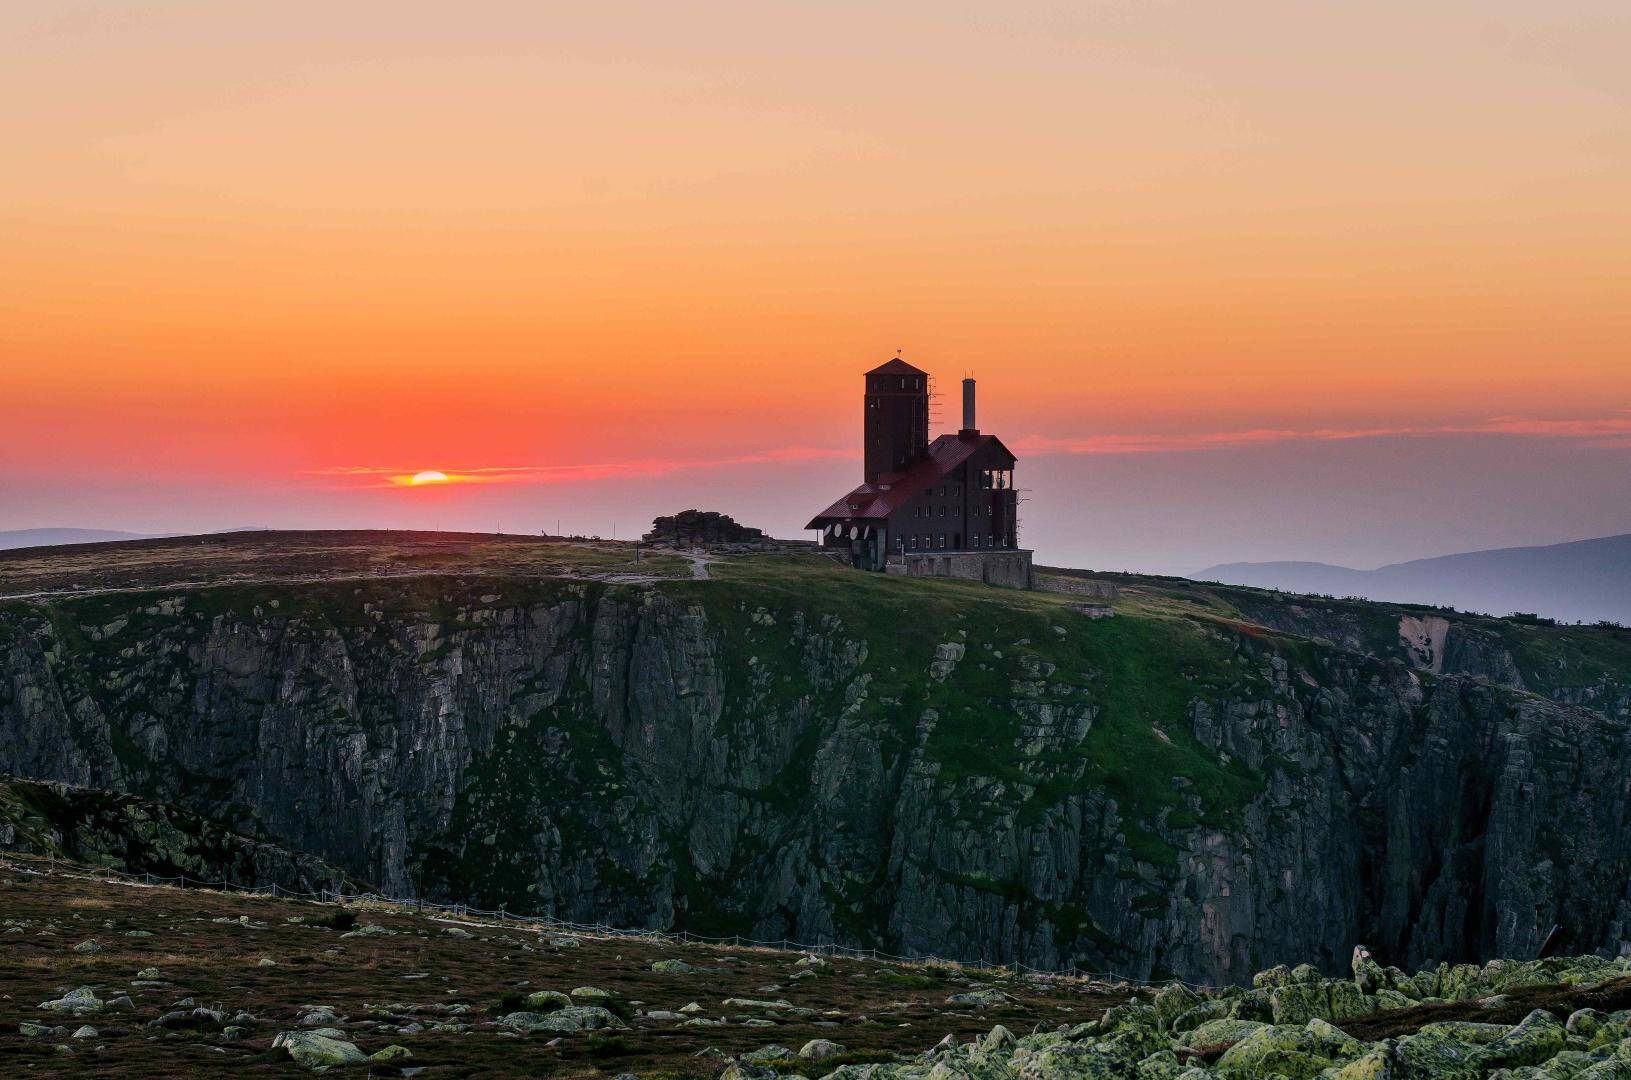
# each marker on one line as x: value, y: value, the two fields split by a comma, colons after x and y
x: 429, y: 476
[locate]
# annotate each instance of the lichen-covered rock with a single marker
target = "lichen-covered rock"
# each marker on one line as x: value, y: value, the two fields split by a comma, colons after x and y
x: 978, y: 997
x: 546, y: 1001
x: 1538, y: 1038
x: 75, y: 1002
x: 672, y: 967
x: 570, y: 1018
x: 1211, y: 1009
x: 1438, y: 1053
x: 1291, y: 1052
x: 1160, y: 1066
x: 1216, y: 1036
x: 1297, y: 1003
x: 819, y: 1050
x: 315, y: 1050
x: 1174, y: 1000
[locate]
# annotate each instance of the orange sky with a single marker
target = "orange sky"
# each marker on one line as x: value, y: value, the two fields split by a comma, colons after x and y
x: 257, y: 245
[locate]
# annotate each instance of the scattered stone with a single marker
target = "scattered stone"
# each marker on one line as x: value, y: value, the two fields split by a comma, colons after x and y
x: 75, y: 1002
x: 319, y: 1016
x: 673, y: 967
x: 981, y: 998
x: 90, y: 946
x: 315, y: 1050
x: 772, y: 1052
x: 822, y: 1049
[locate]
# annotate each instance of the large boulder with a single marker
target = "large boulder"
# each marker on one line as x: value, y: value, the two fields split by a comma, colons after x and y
x: 1292, y: 1052
x: 314, y: 1050
x: 1537, y: 1038
x: 1216, y: 1036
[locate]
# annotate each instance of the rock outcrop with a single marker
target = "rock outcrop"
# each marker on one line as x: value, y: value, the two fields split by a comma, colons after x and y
x: 702, y: 528
x: 788, y: 755
x: 134, y: 836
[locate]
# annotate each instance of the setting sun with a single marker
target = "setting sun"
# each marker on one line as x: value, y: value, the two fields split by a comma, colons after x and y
x: 429, y: 476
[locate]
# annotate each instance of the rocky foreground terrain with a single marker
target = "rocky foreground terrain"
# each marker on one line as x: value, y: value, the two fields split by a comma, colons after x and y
x: 1138, y: 776
x: 102, y: 977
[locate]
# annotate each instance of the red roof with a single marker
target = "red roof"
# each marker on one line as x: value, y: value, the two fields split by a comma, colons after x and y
x: 897, y: 366
x: 895, y: 490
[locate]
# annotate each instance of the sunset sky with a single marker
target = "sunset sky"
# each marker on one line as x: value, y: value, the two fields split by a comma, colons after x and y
x: 1333, y: 280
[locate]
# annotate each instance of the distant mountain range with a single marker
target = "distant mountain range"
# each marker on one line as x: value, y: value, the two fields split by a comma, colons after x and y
x: 1583, y: 581
x: 21, y: 538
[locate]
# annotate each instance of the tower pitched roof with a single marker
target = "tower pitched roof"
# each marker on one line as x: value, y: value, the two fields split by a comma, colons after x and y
x: 897, y: 366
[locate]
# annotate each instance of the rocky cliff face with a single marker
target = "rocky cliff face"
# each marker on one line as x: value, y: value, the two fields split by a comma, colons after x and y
x: 131, y: 835
x: 810, y: 753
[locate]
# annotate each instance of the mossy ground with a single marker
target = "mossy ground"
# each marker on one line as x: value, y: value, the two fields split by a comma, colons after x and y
x: 875, y: 1010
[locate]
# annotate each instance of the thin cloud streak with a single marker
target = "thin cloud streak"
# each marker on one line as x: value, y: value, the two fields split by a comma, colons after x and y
x: 561, y: 474
x: 1600, y: 433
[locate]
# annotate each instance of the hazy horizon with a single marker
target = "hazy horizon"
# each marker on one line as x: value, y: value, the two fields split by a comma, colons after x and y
x: 1112, y: 512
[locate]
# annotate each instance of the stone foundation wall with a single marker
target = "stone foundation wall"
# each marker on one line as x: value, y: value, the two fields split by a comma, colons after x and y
x: 1011, y: 569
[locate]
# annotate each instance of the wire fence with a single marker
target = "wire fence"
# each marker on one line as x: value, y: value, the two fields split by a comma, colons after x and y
x: 502, y: 917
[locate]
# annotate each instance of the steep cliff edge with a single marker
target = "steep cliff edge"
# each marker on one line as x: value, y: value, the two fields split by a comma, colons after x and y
x: 794, y: 749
